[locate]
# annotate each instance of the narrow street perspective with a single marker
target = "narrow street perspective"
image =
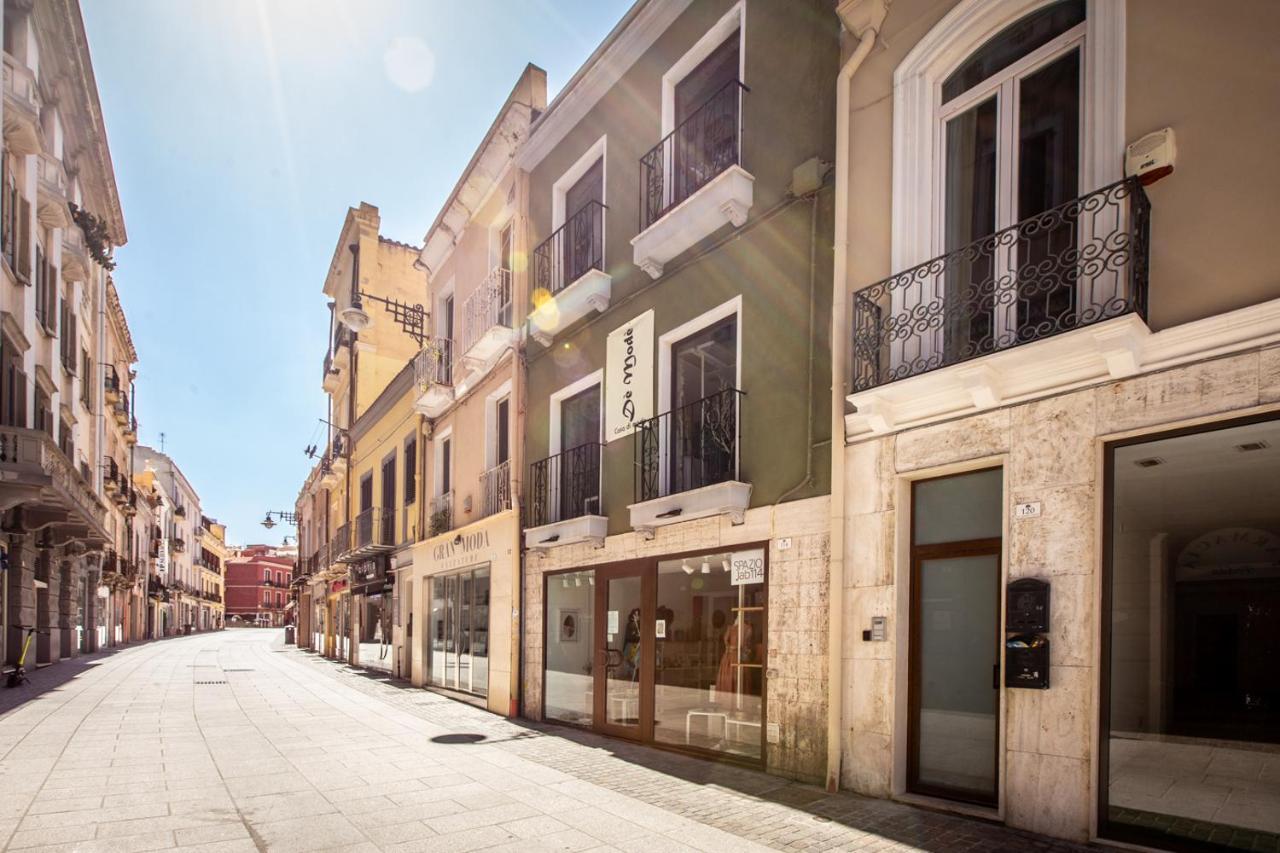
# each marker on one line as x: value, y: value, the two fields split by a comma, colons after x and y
x: 708, y: 425
x: 235, y: 742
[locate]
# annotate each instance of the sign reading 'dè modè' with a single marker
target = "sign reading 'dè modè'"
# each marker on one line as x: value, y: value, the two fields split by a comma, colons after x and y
x: 628, y: 383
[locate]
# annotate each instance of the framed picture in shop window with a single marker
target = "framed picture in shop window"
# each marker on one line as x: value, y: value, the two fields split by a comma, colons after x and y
x: 569, y: 625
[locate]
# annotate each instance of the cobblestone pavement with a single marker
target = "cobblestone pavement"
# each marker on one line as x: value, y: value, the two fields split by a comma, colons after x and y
x: 232, y: 741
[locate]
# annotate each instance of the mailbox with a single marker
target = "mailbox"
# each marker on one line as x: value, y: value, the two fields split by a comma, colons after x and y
x: 1026, y: 661
x: 1027, y: 607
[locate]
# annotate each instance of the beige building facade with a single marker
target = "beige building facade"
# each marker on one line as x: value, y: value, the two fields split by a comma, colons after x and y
x: 1056, y: 541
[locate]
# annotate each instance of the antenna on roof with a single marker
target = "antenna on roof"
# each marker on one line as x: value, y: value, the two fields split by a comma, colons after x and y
x: 162, y: 442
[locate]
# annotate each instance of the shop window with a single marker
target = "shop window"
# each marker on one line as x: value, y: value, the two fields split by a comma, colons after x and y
x: 460, y: 631
x: 1191, y: 629
x: 709, y: 656
x: 570, y: 647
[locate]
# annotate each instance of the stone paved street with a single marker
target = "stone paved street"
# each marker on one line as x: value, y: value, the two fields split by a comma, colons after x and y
x: 233, y: 741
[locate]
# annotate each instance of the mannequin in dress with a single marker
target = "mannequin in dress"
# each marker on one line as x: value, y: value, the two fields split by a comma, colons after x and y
x: 726, y: 677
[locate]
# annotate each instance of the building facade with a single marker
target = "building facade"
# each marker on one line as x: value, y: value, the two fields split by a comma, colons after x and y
x: 1055, y: 566
x: 179, y: 521
x: 210, y: 557
x: 461, y: 586
x: 676, y: 425
x: 63, y: 453
x: 258, y: 586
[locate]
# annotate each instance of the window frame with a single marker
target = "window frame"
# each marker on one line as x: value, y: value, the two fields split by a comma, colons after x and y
x: 917, y: 83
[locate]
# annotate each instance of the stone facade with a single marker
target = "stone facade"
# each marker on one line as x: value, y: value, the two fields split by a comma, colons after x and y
x: 1051, y: 451
x: 796, y: 684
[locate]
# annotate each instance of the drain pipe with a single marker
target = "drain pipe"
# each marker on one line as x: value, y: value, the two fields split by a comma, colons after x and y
x: 863, y: 18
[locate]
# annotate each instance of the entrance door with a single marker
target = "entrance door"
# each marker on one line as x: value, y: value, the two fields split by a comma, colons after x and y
x: 624, y: 652
x: 955, y: 637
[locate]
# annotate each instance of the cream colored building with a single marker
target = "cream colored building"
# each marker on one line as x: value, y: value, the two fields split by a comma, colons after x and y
x: 211, y: 557
x: 461, y: 588
x: 1056, y: 551
x: 61, y: 326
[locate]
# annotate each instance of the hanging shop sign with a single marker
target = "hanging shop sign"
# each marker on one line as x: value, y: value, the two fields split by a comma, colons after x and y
x: 628, y: 382
x: 746, y: 567
x: 369, y: 577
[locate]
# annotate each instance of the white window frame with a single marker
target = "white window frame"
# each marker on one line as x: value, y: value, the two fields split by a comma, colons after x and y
x: 442, y: 295
x: 723, y: 311
x: 599, y: 150
x: 557, y: 399
x: 735, y: 18
x: 437, y: 461
x: 491, y: 425
x: 917, y: 81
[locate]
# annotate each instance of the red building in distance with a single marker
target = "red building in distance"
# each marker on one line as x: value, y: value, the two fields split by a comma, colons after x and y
x: 257, y: 585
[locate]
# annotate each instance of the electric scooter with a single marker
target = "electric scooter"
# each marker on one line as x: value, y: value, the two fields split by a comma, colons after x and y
x: 18, y: 675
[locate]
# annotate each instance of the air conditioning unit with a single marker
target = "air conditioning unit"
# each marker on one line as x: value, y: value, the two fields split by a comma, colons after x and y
x: 1151, y: 157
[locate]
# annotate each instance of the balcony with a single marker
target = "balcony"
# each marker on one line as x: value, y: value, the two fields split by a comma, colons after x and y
x: 178, y: 545
x: 36, y: 474
x: 120, y: 411
x: 495, y: 490
x: 440, y: 519
x: 51, y: 193
x: 990, y: 321
x: 111, y: 384
x: 129, y: 432
x: 433, y: 374
x: 75, y: 257
x: 340, y: 544
x: 568, y: 274
x: 687, y: 464
x: 337, y: 360
x: 486, y: 322
x: 564, y: 499
x: 692, y: 182
x: 372, y: 532
x: 22, y: 133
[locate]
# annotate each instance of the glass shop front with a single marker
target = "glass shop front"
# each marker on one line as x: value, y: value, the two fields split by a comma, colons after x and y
x: 668, y: 651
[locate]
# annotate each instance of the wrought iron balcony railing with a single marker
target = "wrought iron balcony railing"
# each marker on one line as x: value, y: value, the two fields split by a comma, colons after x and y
x: 433, y: 365
x: 566, y: 485
x: 340, y: 544
x: 1074, y: 265
x: 572, y: 250
x: 701, y: 147
x: 441, y: 518
x: 488, y: 307
x: 375, y: 530
x: 495, y: 488
x: 690, y: 447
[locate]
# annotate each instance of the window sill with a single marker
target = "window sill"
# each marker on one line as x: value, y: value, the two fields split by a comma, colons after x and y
x: 724, y: 200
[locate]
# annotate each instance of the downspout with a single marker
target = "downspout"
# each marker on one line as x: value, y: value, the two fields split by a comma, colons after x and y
x: 519, y: 403
x: 863, y: 18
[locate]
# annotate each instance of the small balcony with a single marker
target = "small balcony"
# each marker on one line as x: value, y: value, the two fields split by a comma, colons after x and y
x: 564, y: 499
x: 120, y: 410
x: 111, y: 388
x: 129, y: 432
x: 433, y: 375
x: 51, y: 193
x: 692, y: 182
x: 22, y: 133
x: 75, y: 256
x: 55, y: 498
x: 687, y: 464
x: 495, y: 490
x: 569, y: 281
x: 178, y: 544
x: 486, y: 322
x: 995, y: 319
x: 372, y: 532
x: 440, y: 518
x: 340, y: 544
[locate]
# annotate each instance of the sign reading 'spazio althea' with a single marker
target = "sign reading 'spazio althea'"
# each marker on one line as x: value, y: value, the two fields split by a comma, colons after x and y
x: 628, y: 381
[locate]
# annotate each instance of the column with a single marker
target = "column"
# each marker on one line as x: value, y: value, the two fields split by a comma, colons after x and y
x: 66, y: 613
x: 20, y: 579
x: 46, y: 598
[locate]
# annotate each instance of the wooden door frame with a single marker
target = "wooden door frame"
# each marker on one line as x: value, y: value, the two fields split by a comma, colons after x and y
x: 990, y: 547
x: 646, y: 570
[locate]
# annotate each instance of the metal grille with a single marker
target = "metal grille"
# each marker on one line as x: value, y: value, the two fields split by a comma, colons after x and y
x: 566, y: 485
x: 689, y: 447
x: 572, y: 250
x: 1080, y: 263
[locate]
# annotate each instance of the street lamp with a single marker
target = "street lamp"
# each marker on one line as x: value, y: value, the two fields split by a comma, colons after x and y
x: 286, y: 517
x: 412, y: 318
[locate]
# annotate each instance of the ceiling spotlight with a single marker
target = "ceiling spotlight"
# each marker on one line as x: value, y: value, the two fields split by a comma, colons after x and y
x: 725, y: 565
x: 706, y: 567
x: 1149, y: 462
x: 577, y: 580
x: 564, y: 582
x: 686, y: 568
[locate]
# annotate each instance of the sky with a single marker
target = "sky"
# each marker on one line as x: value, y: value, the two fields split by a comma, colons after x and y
x: 241, y: 131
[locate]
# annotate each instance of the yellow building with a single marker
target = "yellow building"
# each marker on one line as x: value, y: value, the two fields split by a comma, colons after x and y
x: 211, y: 559
x: 358, y: 365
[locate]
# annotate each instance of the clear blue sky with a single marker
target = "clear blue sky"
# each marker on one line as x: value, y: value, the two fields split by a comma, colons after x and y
x: 241, y: 131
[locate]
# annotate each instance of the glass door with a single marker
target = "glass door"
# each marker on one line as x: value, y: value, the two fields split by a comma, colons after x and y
x: 624, y: 652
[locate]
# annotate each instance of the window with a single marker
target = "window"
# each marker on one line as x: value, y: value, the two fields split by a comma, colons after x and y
x: 366, y: 492
x: 66, y: 441
x: 1191, y: 637
x: 504, y: 431
x: 410, y: 470
x: 566, y: 484
x: 387, y: 530
x: 266, y: 575
x: 445, y: 474
x: 44, y: 412
x: 459, y: 656
x: 86, y: 384
x: 13, y: 386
